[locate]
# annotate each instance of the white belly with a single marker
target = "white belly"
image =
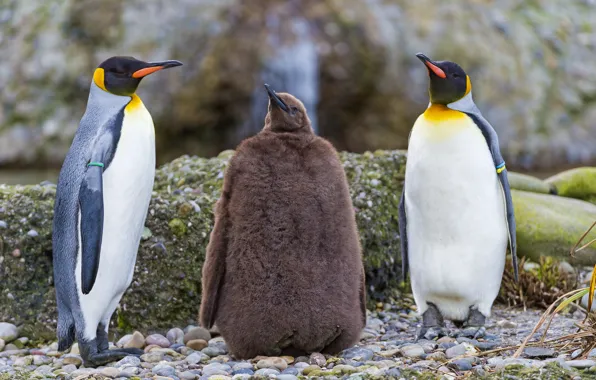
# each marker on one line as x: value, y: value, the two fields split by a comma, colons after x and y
x: 456, y: 221
x: 127, y: 187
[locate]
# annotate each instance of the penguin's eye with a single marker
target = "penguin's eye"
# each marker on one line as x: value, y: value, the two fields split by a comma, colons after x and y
x: 456, y: 75
x: 294, y: 110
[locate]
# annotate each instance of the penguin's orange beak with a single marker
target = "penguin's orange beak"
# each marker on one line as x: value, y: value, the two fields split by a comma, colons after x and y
x: 155, y: 66
x: 431, y: 65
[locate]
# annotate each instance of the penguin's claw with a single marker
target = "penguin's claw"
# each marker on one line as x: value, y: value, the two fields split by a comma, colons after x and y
x: 103, y: 358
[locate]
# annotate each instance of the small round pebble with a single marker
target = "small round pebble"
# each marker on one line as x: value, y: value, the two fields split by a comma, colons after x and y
x: 196, y: 333
x: 196, y: 344
x: 110, y: 372
x: 175, y: 335
x: 158, y: 340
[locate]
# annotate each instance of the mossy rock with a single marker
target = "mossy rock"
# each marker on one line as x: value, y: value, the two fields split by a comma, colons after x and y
x: 526, y: 182
x: 577, y: 183
x: 549, y: 225
x: 166, y: 288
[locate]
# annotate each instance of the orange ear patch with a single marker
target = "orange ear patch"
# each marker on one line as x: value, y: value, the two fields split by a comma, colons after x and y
x: 146, y: 71
x: 438, y: 72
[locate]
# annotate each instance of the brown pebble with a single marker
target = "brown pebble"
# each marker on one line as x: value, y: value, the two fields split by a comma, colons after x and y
x: 151, y: 347
x: 16, y: 253
x: 196, y: 344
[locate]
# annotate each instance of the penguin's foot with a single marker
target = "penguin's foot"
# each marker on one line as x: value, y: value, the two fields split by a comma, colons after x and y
x: 433, y: 324
x: 131, y: 351
x: 474, y: 326
x: 102, y: 358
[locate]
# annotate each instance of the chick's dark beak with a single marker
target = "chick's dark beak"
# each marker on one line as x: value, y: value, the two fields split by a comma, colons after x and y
x: 152, y: 67
x: 275, y: 100
x: 432, y: 66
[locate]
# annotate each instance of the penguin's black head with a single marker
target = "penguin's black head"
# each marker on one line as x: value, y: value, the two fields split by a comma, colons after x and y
x: 448, y: 81
x: 286, y: 113
x: 122, y: 75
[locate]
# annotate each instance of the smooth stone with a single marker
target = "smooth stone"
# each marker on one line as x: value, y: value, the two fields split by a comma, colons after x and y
x: 122, y: 341
x: 2, y: 344
x: 454, y: 351
x: 310, y: 369
x: 44, y: 369
x: 539, y: 352
x: 213, y: 351
x: 69, y: 368
x: 72, y: 359
x: 41, y: 360
x: 447, y: 345
x: 153, y: 357
x: 514, y: 361
x: 505, y: 324
x: 110, y: 372
x: 243, y: 371
x: 576, y: 353
x: 412, y: 351
x: 462, y: 364
x: 267, y: 372
x: 392, y: 373
x: 196, y: 344
x: 8, y: 332
x: 23, y: 361
x: 175, y: 335
x: 581, y: 363
x: 344, y: 369
x: 197, y: 357
x: 74, y: 349
x: 196, y: 333
x: 242, y: 365
x: 445, y: 339
x: 129, y: 371
x: 272, y: 362
x: 290, y: 371
x: 357, y: 353
x: 591, y: 354
x: 129, y: 360
x: 137, y: 341
x: 158, y: 340
x: 163, y: 370
x: 216, y: 369
x: 187, y: 375
x: 286, y: 377
x: 83, y: 371
x: 317, y: 359
x: 437, y: 356
x: 301, y: 365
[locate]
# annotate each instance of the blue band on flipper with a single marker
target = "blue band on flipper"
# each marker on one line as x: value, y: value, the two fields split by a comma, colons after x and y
x: 501, y: 167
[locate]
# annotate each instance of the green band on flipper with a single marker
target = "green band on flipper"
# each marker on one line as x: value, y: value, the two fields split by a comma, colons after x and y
x: 100, y: 164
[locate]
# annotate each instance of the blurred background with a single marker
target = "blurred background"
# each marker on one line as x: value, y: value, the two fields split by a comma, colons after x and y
x: 351, y: 62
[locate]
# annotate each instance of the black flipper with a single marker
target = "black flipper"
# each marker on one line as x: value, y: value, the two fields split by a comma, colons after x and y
x: 91, y: 200
x: 403, y: 234
x: 492, y: 141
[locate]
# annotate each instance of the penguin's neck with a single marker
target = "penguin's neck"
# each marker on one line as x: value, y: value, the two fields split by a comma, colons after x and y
x: 436, y: 113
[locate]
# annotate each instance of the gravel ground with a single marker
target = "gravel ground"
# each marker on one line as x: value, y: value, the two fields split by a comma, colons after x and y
x: 387, y: 350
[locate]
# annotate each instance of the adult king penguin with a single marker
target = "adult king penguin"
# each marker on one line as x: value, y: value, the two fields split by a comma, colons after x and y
x: 103, y: 194
x: 283, y: 271
x: 455, y: 214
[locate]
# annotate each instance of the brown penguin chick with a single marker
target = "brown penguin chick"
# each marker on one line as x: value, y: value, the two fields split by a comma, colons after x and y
x: 283, y: 271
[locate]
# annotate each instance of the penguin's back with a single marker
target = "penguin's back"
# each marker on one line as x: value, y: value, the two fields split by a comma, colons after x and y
x: 293, y: 260
x: 457, y: 231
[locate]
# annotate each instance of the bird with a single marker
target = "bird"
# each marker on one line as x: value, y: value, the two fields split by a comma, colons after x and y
x: 102, y: 198
x: 283, y: 271
x: 455, y: 214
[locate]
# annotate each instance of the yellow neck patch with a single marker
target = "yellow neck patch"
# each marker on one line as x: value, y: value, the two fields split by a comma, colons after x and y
x: 468, y: 85
x: 134, y: 104
x: 98, y: 78
x: 437, y: 113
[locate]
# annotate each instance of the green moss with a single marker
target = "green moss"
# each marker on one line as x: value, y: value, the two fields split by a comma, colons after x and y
x: 551, y: 225
x: 525, y: 182
x: 577, y: 183
x: 177, y: 227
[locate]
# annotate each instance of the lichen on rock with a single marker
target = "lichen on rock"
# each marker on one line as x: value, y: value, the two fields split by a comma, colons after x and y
x: 577, y: 183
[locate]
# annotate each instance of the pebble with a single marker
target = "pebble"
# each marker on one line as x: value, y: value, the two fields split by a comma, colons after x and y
x: 243, y: 371
x: 72, y: 359
x: 357, y: 353
x: 175, y: 335
x: 137, y: 340
x: 188, y: 375
x: 163, y: 370
x: 310, y: 369
x: 286, y: 377
x: 412, y: 351
x: 275, y: 362
x: 196, y: 357
x: 2, y: 344
x: 505, y: 324
x: 196, y: 344
x: 8, y: 332
x: 110, y: 372
x: 267, y: 372
x: 69, y: 368
x: 213, y: 351
x: 196, y: 333
x: 158, y: 339
x: 455, y: 351
x: 291, y: 371
x: 153, y: 357
x: 317, y: 359
x: 581, y: 363
x: 539, y: 352
x: 462, y: 364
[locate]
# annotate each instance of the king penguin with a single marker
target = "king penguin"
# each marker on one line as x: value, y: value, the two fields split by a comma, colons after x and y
x: 455, y: 214
x: 102, y: 198
x: 283, y: 272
